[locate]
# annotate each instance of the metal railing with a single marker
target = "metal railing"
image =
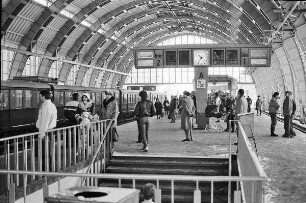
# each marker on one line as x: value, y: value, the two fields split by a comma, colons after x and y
x: 135, y: 177
x: 55, y: 150
x: 249, y: 165
x: 251, y: 177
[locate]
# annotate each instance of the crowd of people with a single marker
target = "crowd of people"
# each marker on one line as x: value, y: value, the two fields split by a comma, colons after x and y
x: 83, y: 112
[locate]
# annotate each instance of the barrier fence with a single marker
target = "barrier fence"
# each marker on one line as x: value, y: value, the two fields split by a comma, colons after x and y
x: 251, y: 179
x: 55, y: 150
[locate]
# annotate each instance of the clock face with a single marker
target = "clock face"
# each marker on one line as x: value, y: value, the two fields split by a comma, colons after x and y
x: 201, y: 57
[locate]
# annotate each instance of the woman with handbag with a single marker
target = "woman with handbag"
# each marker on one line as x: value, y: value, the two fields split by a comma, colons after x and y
x: 187, y: 115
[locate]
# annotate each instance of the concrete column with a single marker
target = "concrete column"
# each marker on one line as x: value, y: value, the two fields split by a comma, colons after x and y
x: 201, y: 84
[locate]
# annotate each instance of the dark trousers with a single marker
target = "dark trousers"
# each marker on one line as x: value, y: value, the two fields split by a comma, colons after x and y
x: 273, y: 122
x: 288, y: 125
x: 249, y: 109
x: 139, y: 135
x: 230, y: 117
x: 42, y: 152
x: 143, y: 127
x: 258, y: 111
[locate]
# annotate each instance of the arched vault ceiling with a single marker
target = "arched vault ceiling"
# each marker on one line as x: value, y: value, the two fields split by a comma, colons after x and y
x: 128, y: 21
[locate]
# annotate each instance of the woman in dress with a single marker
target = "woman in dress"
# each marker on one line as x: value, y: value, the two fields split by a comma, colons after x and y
x: 187, y: 114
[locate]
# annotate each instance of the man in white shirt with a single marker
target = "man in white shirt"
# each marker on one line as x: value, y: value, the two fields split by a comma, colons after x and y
x: 47, y: 115
x: 218, y: 103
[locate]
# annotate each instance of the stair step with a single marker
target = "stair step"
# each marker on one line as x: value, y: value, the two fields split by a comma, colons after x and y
x: 169, y: 163
x: 171, y: 159
x: 173, y: 171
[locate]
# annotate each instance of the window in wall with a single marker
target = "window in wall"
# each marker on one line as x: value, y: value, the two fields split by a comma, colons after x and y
x: 172, y: 74
x: 184, y: 75
x: 99, y: 79
x: 178, y: 75
x: 72, y: 75
x: 147, y: 76
x: 153, y: 75
x: 190, y: 75
x: 6, y: 62
x: 159, y: 75
x: 141, y: 75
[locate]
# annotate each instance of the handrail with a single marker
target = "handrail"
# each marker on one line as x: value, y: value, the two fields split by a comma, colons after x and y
x: 98, y: 149
x: 140, y: 176
x: 253, y: 155
x: 47, y: 131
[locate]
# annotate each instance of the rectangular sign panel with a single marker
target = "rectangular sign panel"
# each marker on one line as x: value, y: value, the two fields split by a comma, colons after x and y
x: 145, y: 63
x: 170, y: 58
x: 158, y: 58
x: 184, y: 57
x: 218, y: 57
x: 230, y: 55
x: 145, y: 54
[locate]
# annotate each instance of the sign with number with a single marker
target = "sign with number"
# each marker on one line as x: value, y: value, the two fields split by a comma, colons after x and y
x: 201, y: 83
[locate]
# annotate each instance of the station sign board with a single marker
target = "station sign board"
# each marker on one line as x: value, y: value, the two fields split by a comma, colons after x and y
x: 199, y: 56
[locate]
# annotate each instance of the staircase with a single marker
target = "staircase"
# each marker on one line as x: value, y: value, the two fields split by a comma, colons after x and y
x: 183, y: 192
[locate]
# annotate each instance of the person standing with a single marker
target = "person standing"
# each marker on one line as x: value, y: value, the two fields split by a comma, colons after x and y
x: 241, y: 104
x: 110, y: 110
x: 217, y: 103
x: 230, y: 106
x: 166, y: 105
x: 273, y: 109
x: 143, y: 110
x: 258, y: 105
x: 187, y: 114
x: 47, y: 117
x: 86, y: 105
x: 173, y: 108
x: 249, y: 100
x: 159, y: 108
x: 47, y: 114
x: 71, y: 108
x: 289, y: 108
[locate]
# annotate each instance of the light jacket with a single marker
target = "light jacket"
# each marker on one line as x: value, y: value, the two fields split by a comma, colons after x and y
x: 47, y: 116
x: 289, y: 107
x: 111, y: 111
x: 273, y: 105
x: 241, y: 106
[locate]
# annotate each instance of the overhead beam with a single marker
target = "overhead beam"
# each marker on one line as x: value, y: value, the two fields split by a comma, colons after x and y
x: 281, y: 24
x: 59, y: 59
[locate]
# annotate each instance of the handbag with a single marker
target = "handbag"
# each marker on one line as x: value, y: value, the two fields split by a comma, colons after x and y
x: 225, y: 117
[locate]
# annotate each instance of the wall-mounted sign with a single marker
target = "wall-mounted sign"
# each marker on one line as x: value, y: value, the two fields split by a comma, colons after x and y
x: 158, y: 58
x: 244, y: 56
x: 231, y: 55
x: 145, y: 54
x: 184, y: 57
x: 218, y: 57
x: 170, y: 57
x: 201, y: 83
